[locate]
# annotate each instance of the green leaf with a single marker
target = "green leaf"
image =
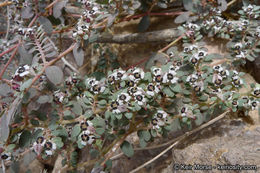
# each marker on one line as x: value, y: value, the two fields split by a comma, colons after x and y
x: 100, y: 131
x: 147, y: 135
x: 187, y: 5
x: 203, y: 98
x: 168, y: 91
x: 58, y: 142
x: 129, y: 115
x: 102, y: 102
x: 153, y: 133
x: 199, y: 119
x: 54, y: 74
x: 107, y: 114
x: 148, y: 76
x: 98, y: 75
x: 227, y: 88
x: 75, y: 132
x: 127, y: 149
x: 76, y: 109
x: 142, y: 143
x: 182, y: 18
x: 176, y: 88
x: 204, y: 108
x: 144, y: 24
x: 78, y: 54
x: 186, y: 100
x: 43, y: 99
x: 25, y: 139
x: 213, y: 98
x: 10, y: 147
x: 26, y: 84
x: 119, y: 116
x: 250, y: 58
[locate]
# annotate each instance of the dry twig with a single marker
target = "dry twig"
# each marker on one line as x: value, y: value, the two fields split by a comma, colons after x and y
x: 180, y: 138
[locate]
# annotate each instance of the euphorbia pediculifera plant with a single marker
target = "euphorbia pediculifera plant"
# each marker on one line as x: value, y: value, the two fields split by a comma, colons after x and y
x: 100, y: 112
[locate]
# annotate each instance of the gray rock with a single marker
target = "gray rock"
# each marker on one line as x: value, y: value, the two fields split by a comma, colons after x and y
x: 226, y: 143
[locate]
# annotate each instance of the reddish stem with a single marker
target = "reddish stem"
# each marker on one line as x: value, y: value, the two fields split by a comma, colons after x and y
x: 9, y: 50
x: 32, y: 22
x: 9, y: 61
x: 138, y: 63
x: 49, y: 64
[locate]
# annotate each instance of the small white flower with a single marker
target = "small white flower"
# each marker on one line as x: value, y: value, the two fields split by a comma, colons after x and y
x: 194, y: 59
x: 169, y: 77
x: 40, y: 141
x: 245, y: 22
x: 217, y: 28
x: 161, y: 114
x: 152, y: 89
x: 115, y: 107
x: 59, y: 96
x: 248, y: 8
x: 202, y: 53
x: 6, y: 156
x: 49, y: 147
x: 193, y: 47
x: 123, y: 98
x: 198, y: 86
x: 193, y: 27
x: 173, y: 69
x: 87, y: 138
x: 238, y: 46
x: 217, y: 68
x: 111, y: 78
x: 254, y: 104
x: 158, y: 78
x: 130, y: 83
x: 157, y: 123
x: 184, y: 111
x: 235, y: 73
x: 140, y: 98
x: 137, y: 75
x: 237, y: 81
x: 242, y: 54
x: 84, y: 125
x: 156, y: 71
x: 97, y: 88
x: 192, y: 78
x: 217, y: 80
x: 23, y: 71
x: 91, y: 81
x: 256, y: 92
x: 171, y: 54
x: 39, y: 144
x: 120, y: 74
x: 224, y: 73
x: 246, y: 101
x: 235, y: 103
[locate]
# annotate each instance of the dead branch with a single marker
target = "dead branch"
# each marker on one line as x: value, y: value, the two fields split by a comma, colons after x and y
x: 165, y: 35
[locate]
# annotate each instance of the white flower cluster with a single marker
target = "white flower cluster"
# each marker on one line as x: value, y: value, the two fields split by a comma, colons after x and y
x: 5, y: 156
x: 159, y: 119
x: 196, y: 81
x: 186, y: 111
x: 20, y: 74
x: 87, y: 135
x: 86, y: 20
x: 59, y: 96
x: 41, y: 144
x: 251, y: 11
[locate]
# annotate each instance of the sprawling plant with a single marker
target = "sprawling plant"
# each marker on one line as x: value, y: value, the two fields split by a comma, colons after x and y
x: 44, y: 114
